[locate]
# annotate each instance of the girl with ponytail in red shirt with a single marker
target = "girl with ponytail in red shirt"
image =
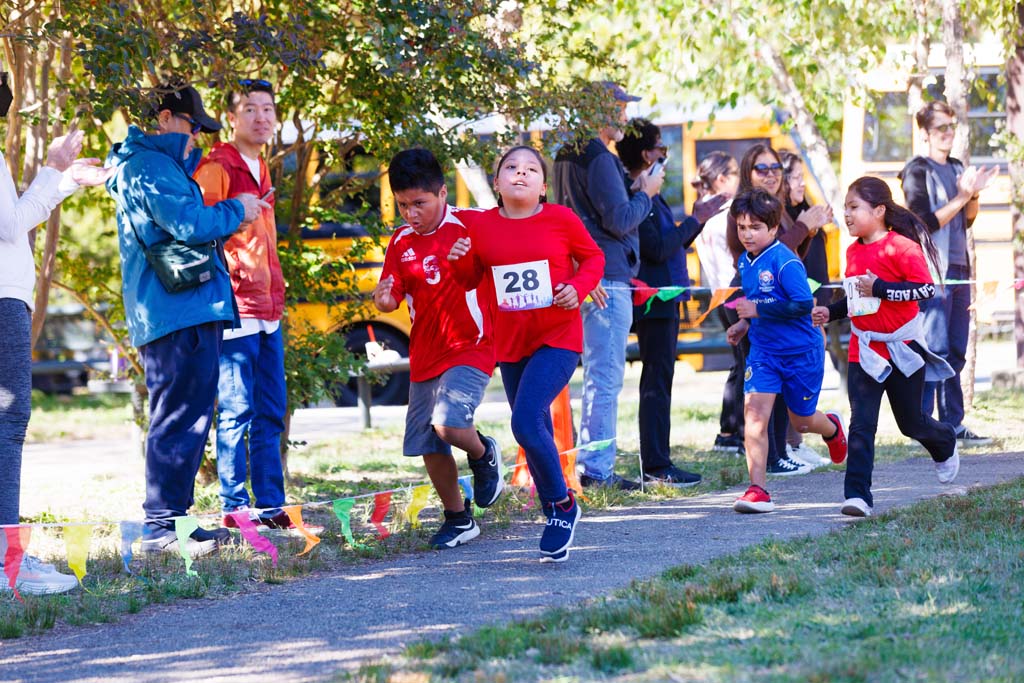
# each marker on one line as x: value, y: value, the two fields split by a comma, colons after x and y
x: 538, y: 262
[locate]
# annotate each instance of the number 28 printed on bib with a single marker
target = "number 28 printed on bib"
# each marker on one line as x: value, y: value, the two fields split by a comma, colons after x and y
x: 523, y: 286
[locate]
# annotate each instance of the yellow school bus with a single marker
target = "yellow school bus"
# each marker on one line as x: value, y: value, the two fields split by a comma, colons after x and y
x: 689, y: 135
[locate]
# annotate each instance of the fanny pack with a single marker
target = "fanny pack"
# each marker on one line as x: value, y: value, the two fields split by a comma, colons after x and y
x: 180, y: 266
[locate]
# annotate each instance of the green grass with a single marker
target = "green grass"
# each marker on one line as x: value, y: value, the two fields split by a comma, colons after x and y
x: 84, y: 416
x: 368, y: 462
x: 929, y: 592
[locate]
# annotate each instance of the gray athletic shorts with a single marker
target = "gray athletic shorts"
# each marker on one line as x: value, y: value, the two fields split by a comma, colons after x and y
x: 449, y: 400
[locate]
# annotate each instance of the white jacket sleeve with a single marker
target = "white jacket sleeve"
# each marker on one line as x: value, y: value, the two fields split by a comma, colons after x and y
x: 20, y: 214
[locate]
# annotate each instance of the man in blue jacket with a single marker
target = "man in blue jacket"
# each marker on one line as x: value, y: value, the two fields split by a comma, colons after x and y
x: 591, y: 181
x: 178, y: 334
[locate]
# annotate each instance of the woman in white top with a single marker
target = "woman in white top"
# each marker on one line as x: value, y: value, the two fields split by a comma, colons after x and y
x: 718, y: 173
x: 61, y: 176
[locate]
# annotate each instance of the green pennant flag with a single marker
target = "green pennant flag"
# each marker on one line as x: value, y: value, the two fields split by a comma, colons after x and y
x: 183, y: 528
x: 343, y: 510
x: 664, y: 294
x: 813, y: 284
x: 595, y: 445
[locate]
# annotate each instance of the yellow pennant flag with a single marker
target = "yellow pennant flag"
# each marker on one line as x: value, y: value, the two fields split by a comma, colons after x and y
x: 77, y: 540
x: 416, y: 505
x: 294, y: 513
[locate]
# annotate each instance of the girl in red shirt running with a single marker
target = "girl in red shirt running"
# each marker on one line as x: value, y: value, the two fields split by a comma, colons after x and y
x: 538, y: 262
x: 886, y: 275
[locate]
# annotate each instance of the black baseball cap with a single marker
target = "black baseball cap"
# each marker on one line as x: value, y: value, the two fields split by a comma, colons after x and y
x: 186, y: 100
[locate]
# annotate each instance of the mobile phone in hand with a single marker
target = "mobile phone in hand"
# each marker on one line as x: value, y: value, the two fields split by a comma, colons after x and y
x: 656, y: 167
x: 266, y: 195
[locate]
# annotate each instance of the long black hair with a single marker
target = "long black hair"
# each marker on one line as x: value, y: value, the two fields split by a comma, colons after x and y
x: 901, y: 220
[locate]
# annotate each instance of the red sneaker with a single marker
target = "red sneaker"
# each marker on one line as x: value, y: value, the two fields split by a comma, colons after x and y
x: 837, y: 443
x: 756, y: 499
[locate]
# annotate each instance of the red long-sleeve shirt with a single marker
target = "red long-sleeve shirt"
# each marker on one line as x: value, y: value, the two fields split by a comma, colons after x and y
x: 554, y: 234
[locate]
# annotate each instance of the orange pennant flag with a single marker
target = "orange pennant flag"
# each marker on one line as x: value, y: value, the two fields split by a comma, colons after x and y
x: 718, y: 297
x: 572, y: 479
x: 294, y: 513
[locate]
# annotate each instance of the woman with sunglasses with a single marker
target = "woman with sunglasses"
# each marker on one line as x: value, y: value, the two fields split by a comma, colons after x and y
x: 761, y: 169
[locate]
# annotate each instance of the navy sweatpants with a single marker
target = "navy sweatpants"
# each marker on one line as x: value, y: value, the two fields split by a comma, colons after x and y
x: 182, y: 369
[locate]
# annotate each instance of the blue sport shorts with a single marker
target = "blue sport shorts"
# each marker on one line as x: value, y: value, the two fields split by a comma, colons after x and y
x: 797, y: 376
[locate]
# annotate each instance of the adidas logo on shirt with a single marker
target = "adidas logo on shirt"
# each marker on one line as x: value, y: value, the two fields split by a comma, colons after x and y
x: 409, y: 255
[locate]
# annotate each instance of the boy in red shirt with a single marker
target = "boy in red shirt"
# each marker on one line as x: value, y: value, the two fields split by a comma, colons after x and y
x: 451, y: 351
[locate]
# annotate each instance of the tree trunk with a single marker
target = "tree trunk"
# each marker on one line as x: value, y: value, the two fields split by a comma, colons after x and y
x: 956, y: 96
x: 1015, y: 125
x: 48, y: 263
x: 811, y: 138
x: 921, y: 45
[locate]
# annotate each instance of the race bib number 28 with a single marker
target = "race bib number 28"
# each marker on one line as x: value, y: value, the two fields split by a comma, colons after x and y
x: 523, y: 286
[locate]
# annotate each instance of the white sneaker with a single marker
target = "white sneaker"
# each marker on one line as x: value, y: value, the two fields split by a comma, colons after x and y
x: 856, y: 507
x: 806, y: 455
x: 947, y: 470
x: 39, y: 578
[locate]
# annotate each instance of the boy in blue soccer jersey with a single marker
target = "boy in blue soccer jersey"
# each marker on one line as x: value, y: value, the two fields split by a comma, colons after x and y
x: 786, y: 352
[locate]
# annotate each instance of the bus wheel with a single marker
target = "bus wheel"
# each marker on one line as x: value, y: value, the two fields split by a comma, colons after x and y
x: 395, y: 389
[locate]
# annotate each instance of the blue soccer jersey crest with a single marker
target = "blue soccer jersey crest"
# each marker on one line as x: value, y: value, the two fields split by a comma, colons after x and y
x: 777, y: 275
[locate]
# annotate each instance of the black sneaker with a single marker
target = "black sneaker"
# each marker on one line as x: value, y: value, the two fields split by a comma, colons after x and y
x: 672, y: 476
x: 969, y: 438
x: 458, y: 528
x: 560, y: 529
x: 786, y: 467
x: 200, y: 542
x: 488, y: 481
x: 730, y: 444
x: 614, y: 482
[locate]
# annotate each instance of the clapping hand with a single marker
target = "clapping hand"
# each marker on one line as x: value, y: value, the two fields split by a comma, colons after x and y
x: 708, y: 207
x: 89, y: 173
x: 64, y: 150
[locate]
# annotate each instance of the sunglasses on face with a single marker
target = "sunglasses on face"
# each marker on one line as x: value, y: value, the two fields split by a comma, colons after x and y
x: 196, y: 126
x: 249, y: 82
x: 945, y: 128
x: 768, y: 169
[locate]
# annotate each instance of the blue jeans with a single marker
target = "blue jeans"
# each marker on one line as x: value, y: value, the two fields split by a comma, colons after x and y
x: 251, y: 403
x: 605, y: 332
x: 946, y: 320
x: 531, y: 384
x: 181, y: 376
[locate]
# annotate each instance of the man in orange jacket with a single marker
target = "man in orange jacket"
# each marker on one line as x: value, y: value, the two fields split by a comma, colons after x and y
x: 251, y: 392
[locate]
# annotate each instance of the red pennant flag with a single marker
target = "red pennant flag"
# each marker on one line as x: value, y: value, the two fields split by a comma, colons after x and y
x: 642, y: 292
x: 17, y: 540
x: 381, y: 505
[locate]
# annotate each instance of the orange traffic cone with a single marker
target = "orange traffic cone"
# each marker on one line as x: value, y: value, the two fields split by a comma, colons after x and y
x: 561, y: 419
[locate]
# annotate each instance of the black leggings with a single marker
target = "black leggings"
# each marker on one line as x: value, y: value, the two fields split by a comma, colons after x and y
x: 905, y: 400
